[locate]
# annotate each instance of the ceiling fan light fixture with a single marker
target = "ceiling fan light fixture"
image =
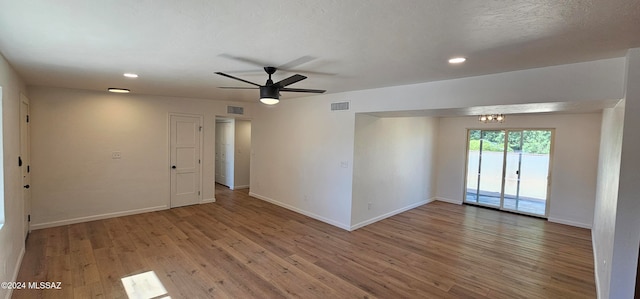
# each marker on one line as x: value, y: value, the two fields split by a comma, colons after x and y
x: 269, y: 101
x: 269, y: 95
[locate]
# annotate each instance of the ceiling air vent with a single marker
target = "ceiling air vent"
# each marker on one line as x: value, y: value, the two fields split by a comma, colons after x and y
x: 235, y: 110
x: 340, y: 106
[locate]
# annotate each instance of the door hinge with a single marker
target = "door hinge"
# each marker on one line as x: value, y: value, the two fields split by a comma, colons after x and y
x: 27, y: 118
x: 198, y: 193
x: 199, y: 161
x: 200, y: 129
x: 28, y: 168
x: 19, y: 161
x: 29, y: 218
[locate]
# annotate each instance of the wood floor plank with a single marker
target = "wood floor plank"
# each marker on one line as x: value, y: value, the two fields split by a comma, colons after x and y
x: 186, y: 276
x: 270, y: 267
x: 343, y: 289
x: 93, y: 290
x: 111, y: 272
x: 242, y: 247
x: 223, y: 268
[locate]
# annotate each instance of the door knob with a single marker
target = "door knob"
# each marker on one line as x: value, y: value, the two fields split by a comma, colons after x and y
x: 27, y: 186
x: 174, y: 167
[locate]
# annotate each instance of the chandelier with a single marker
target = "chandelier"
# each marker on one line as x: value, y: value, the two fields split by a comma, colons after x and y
x: 491, y: 118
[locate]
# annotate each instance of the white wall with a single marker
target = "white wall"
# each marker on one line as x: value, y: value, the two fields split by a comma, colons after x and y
x: 242, y: 156
x: 12, y: 231
x: 298, y: 148
x: 607, y: 195
x: 298, y: 166
x: 74, y: 133
x: 393, y: 166
x: 627, y: 220
x: 574, y: 169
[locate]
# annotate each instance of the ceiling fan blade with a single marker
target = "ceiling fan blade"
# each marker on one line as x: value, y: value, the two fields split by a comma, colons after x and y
x: 232, y: 77
x: 302, y: 90
x: 288, y: 81
x: 296, y: 62
x: 305, y: 72
x: 230, y: 87
x: 250, y: 61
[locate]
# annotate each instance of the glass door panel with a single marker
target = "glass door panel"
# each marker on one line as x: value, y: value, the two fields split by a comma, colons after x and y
x: 527, y: 171
x: 473, y: 166
x: 485, y: 166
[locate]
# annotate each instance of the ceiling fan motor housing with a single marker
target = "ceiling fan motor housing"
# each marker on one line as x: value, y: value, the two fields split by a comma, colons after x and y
x: 270, y: 91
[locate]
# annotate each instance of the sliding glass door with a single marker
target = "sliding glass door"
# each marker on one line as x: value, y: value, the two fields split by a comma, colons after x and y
x: 509, y: 169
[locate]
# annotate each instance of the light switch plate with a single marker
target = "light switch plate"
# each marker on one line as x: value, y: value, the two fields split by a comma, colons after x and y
x: 116, y: 155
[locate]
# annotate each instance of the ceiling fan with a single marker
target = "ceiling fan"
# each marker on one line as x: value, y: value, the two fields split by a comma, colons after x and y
x: 270, y: 92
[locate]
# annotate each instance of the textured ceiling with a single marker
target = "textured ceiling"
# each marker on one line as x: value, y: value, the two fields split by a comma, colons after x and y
x: 176, y: 46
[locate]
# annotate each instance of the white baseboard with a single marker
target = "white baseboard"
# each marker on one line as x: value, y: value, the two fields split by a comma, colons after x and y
x: 453, y: 201
x: 300, y: 211
x: 569, y: 222
x: 208, y: 200
x: 96, y: 217
x: 595, y: 264
x: 392, y: 213
x: 240, y: 187
x: 16, y: 270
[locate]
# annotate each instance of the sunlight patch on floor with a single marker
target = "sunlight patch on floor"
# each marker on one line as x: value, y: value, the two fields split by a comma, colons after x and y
x: 144, y: 286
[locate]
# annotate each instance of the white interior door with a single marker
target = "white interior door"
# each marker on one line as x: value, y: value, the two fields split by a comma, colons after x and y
x: 224, y: 153
x: 25, y: 161
x: 185, y: 136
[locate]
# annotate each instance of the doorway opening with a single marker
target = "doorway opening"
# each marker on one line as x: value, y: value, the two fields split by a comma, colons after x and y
x: 233, y: 152
x: 509, y: 169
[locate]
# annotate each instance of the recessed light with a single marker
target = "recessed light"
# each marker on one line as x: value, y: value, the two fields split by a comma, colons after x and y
x: 118, y: 90
x: 131, y: 75
x: 457, y: 60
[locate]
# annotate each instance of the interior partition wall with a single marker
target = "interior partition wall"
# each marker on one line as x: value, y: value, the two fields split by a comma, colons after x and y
x: 509, y: 169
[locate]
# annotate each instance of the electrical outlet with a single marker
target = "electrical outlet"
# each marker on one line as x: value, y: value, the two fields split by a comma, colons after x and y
x: 369, y: 206
x: 344, y: 164
x: 116, y: 155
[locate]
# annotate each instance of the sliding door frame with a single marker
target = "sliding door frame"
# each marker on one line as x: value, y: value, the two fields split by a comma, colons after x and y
x: 504, y: 166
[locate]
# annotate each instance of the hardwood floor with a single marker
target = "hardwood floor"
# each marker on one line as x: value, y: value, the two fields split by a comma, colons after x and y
x: 242, y: 247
